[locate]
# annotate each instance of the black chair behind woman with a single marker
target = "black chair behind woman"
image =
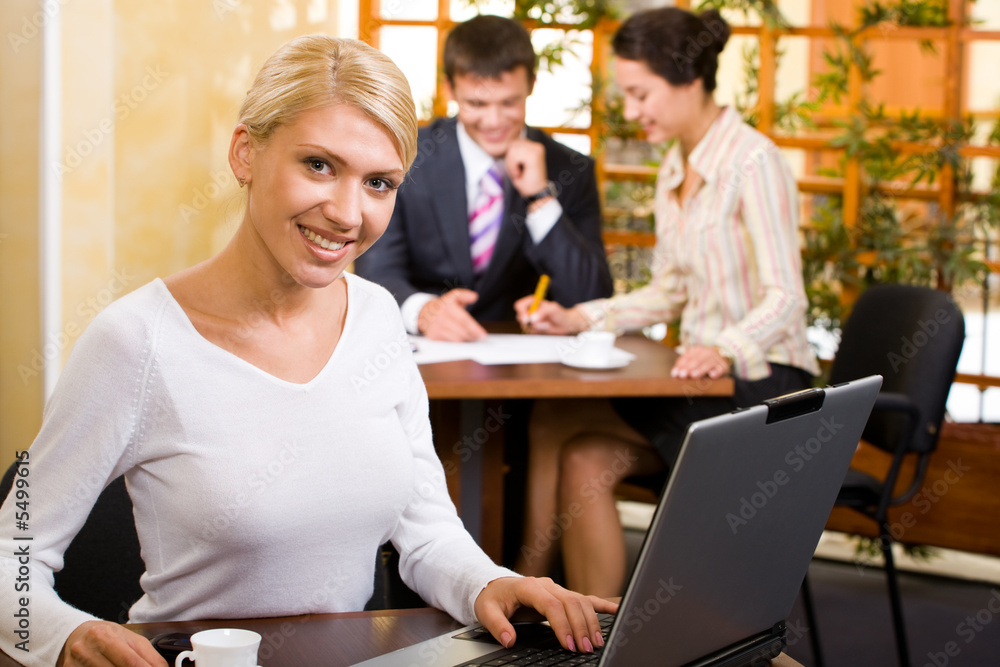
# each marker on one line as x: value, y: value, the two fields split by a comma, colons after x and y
x: 102, y: 565
x: 911, y: 336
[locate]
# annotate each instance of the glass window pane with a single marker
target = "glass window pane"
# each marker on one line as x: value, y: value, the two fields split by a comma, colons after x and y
x: 984, y: 171
x: 562, y: 96
x: 983, y: 85
x: 463, y: 10
x: 735, y: 17
x: 964, y: 399
x: 796, y: 12
x: 414, y: 49
x: 631, y: 151
x: 796, y: 158
x: 412, y: 10
x: 984, y: 15
x: 564, y: 12
x: 630, y: 267
x: 730, y: 80
x: 793, y: 67
x: 628, y: 206
x: 578, y: 142
x: 967, y: 404
x: 791, y: 82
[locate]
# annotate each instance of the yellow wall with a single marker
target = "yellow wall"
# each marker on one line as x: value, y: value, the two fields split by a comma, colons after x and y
x: 150, y: 94
x: 20, y: 68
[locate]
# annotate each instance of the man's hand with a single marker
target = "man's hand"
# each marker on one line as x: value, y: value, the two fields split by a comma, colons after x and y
x: 549, y: 317
x: 700, y: 361
x: 446, y: 317
x: 573, y: 617
x: 105, y: 643
x: 525, y: 162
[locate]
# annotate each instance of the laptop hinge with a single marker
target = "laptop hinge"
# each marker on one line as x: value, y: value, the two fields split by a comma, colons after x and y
x: 793, y: 405
x: 757, y: 651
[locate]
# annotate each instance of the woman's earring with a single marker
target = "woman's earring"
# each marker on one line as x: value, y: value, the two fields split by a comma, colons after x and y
x: 242, y: 181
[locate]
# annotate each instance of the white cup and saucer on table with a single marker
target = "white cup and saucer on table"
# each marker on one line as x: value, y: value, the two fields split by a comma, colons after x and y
x: 222, y: 647
x: 594, y: 350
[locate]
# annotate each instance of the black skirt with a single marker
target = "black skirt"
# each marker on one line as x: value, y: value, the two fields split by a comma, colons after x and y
x: 664, y: 420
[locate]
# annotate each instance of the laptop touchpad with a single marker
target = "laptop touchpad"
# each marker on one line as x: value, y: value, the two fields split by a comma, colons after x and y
x: 526, y: 633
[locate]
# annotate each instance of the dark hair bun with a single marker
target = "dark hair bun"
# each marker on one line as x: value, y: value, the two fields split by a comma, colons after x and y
x: 717, y: 26
x: 675, y: 44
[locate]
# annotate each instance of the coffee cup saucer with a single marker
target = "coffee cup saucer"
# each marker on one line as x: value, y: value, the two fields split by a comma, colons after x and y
x: 618, y: 359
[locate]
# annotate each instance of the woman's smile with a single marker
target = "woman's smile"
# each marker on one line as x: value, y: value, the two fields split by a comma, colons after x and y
x: 323, y: 242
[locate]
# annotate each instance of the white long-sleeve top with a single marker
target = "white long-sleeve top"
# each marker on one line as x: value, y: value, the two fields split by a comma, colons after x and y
x: 253, y: 496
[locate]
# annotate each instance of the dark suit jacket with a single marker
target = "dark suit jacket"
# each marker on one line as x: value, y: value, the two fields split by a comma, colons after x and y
x: 426, y: 246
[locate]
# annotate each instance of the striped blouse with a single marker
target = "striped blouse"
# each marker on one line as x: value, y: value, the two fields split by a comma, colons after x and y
x: 727, y: 259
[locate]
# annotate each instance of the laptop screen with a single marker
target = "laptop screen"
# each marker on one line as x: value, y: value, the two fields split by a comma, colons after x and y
x: 729, y: 544
x: 737, y: 524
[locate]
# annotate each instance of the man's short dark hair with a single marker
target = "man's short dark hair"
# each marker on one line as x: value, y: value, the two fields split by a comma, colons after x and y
x: 487, y: 46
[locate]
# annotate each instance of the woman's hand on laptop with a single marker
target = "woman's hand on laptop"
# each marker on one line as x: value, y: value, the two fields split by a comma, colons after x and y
x: 573, y: 616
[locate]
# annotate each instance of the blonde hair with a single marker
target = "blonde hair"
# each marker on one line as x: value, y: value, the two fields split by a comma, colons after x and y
x: 317, y: 70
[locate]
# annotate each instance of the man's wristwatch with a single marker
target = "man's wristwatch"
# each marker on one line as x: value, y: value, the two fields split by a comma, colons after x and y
x: 549, y: 191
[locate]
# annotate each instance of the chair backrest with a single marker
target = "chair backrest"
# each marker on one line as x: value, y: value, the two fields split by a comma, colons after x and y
x: 389, y: 591
x: 102, y: 565
x: 912, y: 336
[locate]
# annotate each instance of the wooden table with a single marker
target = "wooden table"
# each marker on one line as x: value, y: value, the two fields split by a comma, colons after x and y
x: 647, y: 375
x: 331, y: 640
x: 466, y: 411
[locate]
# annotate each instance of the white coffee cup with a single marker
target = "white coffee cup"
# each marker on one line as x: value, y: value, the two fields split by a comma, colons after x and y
x: 595, y: 347
x: 223, y: 647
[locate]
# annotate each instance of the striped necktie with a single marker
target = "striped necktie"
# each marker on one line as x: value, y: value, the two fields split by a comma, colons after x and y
x: 484, y: 222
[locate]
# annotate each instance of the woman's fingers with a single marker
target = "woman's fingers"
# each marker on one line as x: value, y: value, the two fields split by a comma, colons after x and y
x: 572, y: 616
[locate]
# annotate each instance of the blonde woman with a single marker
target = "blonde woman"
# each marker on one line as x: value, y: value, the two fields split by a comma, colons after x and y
x: 192, y: 386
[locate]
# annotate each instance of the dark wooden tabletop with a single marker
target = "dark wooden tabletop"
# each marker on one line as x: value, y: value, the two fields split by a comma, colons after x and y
x: 330, y: 640
x: 647, y: 375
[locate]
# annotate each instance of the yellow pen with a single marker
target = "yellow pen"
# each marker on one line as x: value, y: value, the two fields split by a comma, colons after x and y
x: 543, y: 287
x: 540, y: 290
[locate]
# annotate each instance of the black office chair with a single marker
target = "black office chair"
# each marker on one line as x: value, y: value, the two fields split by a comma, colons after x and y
x: 390, y: 592
x: 102, y: 564
x: 911, y: 336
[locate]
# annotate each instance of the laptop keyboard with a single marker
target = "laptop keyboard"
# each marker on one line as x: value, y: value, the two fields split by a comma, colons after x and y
x: 540, y: 651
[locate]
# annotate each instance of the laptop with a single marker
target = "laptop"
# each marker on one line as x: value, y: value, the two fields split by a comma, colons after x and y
x: 728, y: 547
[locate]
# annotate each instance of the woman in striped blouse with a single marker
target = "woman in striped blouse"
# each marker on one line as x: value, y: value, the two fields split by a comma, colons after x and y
x: 726, y: 265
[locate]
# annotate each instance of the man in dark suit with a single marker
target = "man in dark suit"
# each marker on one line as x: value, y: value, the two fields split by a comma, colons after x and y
x: 490, y: 205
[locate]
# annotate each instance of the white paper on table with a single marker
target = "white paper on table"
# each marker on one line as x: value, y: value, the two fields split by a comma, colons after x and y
x: 520, y: 349
x: 426, y: 351
x: 497, y: 349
